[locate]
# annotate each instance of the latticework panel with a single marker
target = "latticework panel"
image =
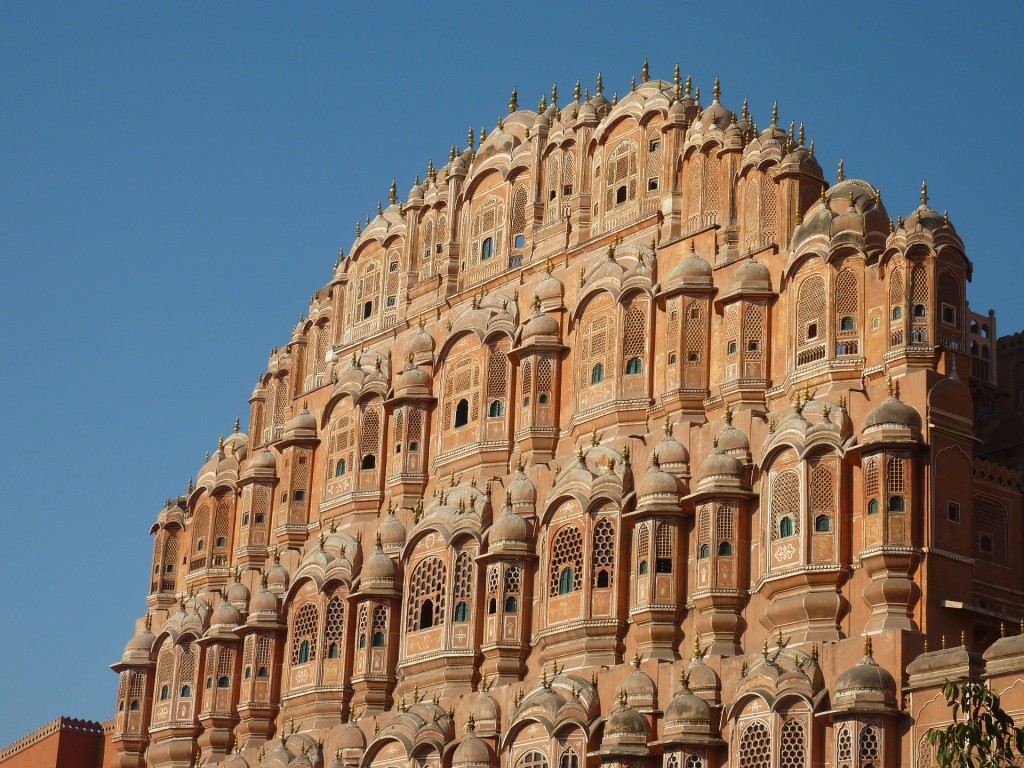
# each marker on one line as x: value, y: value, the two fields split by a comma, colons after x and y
x: 732, y: 329
x: 672, y: 334
x: 334, y: 626
x: 663, y: 541
x: 634, y: 334
x: 643, y: 541
x: 380, y: 619
x: 427, y: 583
x: 847, y: 295
x: 415, y: 428
x: 604, y: 551
x: 694, y: 177
x: 369, y: 439
x: 990, y: 531
x: 710, y: 208
x: 950, y: 296
x: 844, y: 748
x: 497, y: 372
x: 544, y: 376
x: 785, y: 501
x: 822, y: 487
x: 753, y: 332
x: 463, y: 586
x: 493, y: 578
x: 755, y: 746
x: 527, y: 370
x: 186, y: 666
x: 725, y: 522
x: 594, y: 350
x: 810, y: 312
x: 519, y: 198
x: 895, y: 475
x: 769, y: 209
x: 655, y: 155
x: 704, y: 523
x: 307, y: 622
x: 919, y: 293
x: 870, y: 748
x: 896, y: 291
x: 513, y: 582
x: 792, y: 749
x: 225, y: 661
x: 871, y: 476
x: 751, y: 214
x: 696, y: 333
x: 567, y: 550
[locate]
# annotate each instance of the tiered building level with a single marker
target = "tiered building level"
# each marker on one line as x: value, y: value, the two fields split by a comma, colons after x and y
x: 627, y: 439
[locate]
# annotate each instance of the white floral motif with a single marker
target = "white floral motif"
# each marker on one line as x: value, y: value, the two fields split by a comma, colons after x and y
x: 785, y: 552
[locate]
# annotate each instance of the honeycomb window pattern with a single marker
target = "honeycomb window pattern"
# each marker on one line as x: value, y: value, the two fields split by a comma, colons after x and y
x: 334, y: 626
x: 307, y: 622
x: 785, y: 502
x: 604, y: 553
x: 791, y: 745
x: 755, y: 748
x: 844, y: 748
x: 567, y: 550
x: 427, y: 583
x: 869, y: 748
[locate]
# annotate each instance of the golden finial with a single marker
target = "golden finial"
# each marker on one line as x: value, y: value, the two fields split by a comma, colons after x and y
x: 778, y: 640
x: 376, y: 540
x: 892, y: 226
x: 824, y: 194
x: 771, y: 425
x: 889, y: 387
x: 554, y: 95
x: 645, y: 74
x: 636, y: 659
x: 148, y: 620
x: 775, y: 114
x: 544, y: 677
x: 798, y: 217
x: 811, y: 148
x: 963, y: 638
x: 431, y: 171
x: 471, y: 723
x: 594, y: 439
x: 579, y: 455
x: 513, y: 102
x: 582, y: 279
x: 238, y: 425
x: 632, y: 84
x: 689, y: 86
x: 536, y: 302
x: 668, y: 427
x: 586, y: 93
x: 470, y: 140
x: 543, y: 104
x: 924, y: 193
x: 393, y: 193
x: 792, y: 132
x: 841, y: 175
x: 801, y: 135
x: 655, y: 461
x: 945, y: 217
x: 798, y: 407
x: 1022, y: 626
x: 600, y: 84
x: 675, y: 75
x: 697, y: 653
x: 728, y: 414
x: 764, y: 648
x: 220, y: 443
x: 1002, y: 629
x: 718, y: 88
x: 867, y: 645
x: 576, y: 93
x: 451, y: 150
x: 943, y: 642
x: 615, y: 98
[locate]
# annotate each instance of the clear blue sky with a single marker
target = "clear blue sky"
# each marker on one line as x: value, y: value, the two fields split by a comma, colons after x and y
x: 176, y: 179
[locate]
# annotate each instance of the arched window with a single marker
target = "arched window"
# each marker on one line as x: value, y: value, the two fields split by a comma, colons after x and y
x: 634, y: 366
x: 846, y: 324
x: 755, y: 746
x: 533, y: 759
x: 603, y: 553
x: 569, y: 759
x: 304, y: 652
x: 565, y: 581
x: 378, y: 639
x: 990, y: 531
x: 869, y: 748
x: 511, y: 604
x: 165, y: 693
x: 369, y: 461
x: 785, y: 527
x: 492, y: 606
x: 873, y: 507
x: 725, y: 549
x: 822, y: 524
x: 597, y: 374
x: 566, y: 561
x: 262, y: 673
x: 462, y: 413
x: 792, y: 746
x: 705, y: 551
x: 223, y: 681
x: 810, y: 320
x: 339, y: 468
x: 897, y: 504
x: 427, y: 587
x: 785, y: 504
x: 332, y: 651
x: 461, y: 612
x: 186, y: 691
x: 426, y: 615
x: 497, y: 408
x: 643, y: 567
x: 307, y: 622
x: 486, y: 248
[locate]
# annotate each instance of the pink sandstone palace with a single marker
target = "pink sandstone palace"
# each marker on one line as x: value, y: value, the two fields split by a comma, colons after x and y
x: 627, y: 439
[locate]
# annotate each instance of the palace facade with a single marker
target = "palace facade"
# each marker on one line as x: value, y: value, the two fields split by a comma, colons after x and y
x: 626, y: 439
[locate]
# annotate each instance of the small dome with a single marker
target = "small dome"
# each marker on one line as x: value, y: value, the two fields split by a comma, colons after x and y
x: 866, y: 684
x: 719, y: 464
x: 732, y: 439
x: 624, y: 724
x: 277, y: 577
x: 412, y: 378
x: 510, y: 528
x: 892, y: 413
x: 485, y: 709
x: 693, y: 271
x: 550, y: 289
x: 416, y: 193
x: 140, y: 645
x: 752, y: 277
x: 540, y: 324
x: 380, y: 568
x: 391, y: 531
x: 702, y: 679
x: 263, y: 460
x: 264, y: 601
x: 303, y: 422
x: 422, y: 342
x: 225, y: 615
x: 521, y: 489
x: 238, y: 595
x: 853, y: 207
x: 671, y: 452
x: 658, y: 482
x: 473, y: 751
x: 687, y: 710
x: 350, y: 737
x: 639, y: 688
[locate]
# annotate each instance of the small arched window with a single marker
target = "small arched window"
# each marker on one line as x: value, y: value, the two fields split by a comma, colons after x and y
x: 634, y: 365
x: 262, y: 673
x: 602, y: 578
x: 369, y: 461
x: 367, y: 309
x: 486, y: 248
x: 565, y: 581
x: 846, y: 324
x: 332, y: 651
x: 165, y: 693
x: 134, y: 706
x: 378, y: 639
x: 462, y: 413
x: 511, y: 604
x: 223, y: 681
x: 920, y: 310
x: 705, y: 551
x: 873, y: 507
x: 897, y: 313
x: 620, y: 195
x: 496, y: 409
x: 643, y: 567
x: 362, y: 640
x: 822, y: 524
x: 426, y: 614
x: 200, y: 546
x: 520, y: 241
x: 304, y: 652
x: 221, y: 542
x: 597, y: 374
x: 785, y: 527
x: 897, y: 504
x: 120, y: 706
x: 461, y: 612
x: 492, y: 606
x: 725, y: 549
x: 186, y: 691
x: 248, y: 673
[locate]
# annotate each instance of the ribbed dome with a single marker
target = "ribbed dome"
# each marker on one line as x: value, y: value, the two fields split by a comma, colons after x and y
x: 521, y: 489
x: 473, y: 751
x: 412, y: 377
x: 391, y: 531
x: 238, y: 595
x: 851, y: 206
x: 140, y: 645
x: 303, y: 421
x: 277, y: 577
x: 485, y: 709
x: 892, y: 413
x: 658, y: 482
x: 540, y: 324
x: 264, y: 601
x: 752, y: 277
x: 510, y: 528
x: 350, y: 737
x: 671, y: 452
x: 225, y: 615
x: 422, y: 342
x: 624, y: 724
x: 719, y: 464
x: 693, y: 271
x: 686, y: 711
x: 550, y: 289
x: 866, y: 684
x: 379, y: 569
x: 263, y: 460
x: 732, y: 439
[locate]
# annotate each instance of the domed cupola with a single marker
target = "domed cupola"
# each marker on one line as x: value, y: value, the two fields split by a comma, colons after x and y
x: 701, y: 679
x: 720, y: 471
x: 485, y: 710
x: 238, y: 593
x: 391, y: 531
x: 277, y: 576
x: 688, y: 717
x: 510, y: 532
x: 692, y: 272
x: 550, y: 291
x: 849, y: 212
x: 473, y: 752
x: 301, y: 426
x: 640, y: 690
x: 421, y: 347
x: 732, y: 440
x: 659, y: 489
x: 751, y: 279
x: 522, y: 491
x: 540, y: 326
x: 379, y: 571
x: 138, y: 649
x: 225, y: 618
x: 261, y: 464
x: 891, y: 421
x: 801, y: 160
x: 625, y: 731
x: 264, y: 604
x: 413, y: 380
x: 867, y: 687
x: 672, y: 454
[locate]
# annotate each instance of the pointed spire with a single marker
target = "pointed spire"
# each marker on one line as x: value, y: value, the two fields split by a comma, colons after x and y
x: 359, y: 229
x: 824, y: 194
x: 380, y: 208
x: 728, y: 414
x: 393, y: 194
x: 513, y: 102
x: 543, y: 104
x: 600, y: 84
x: 924, y: 193
x: 645, y: 73
x: 718, y: 88
x: 554, y: 95
x: 676, y: 79
x: 689, y: 86
x: 889, y: 386
x: 801, y: 135
x: 483, y: 134
x: 238, y: 425
x: 470, y: 139
x: 775, y: 114
x: 867, y: 646
x: 576, y: 93
x: 615, y: 99
x: 632, y: 84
